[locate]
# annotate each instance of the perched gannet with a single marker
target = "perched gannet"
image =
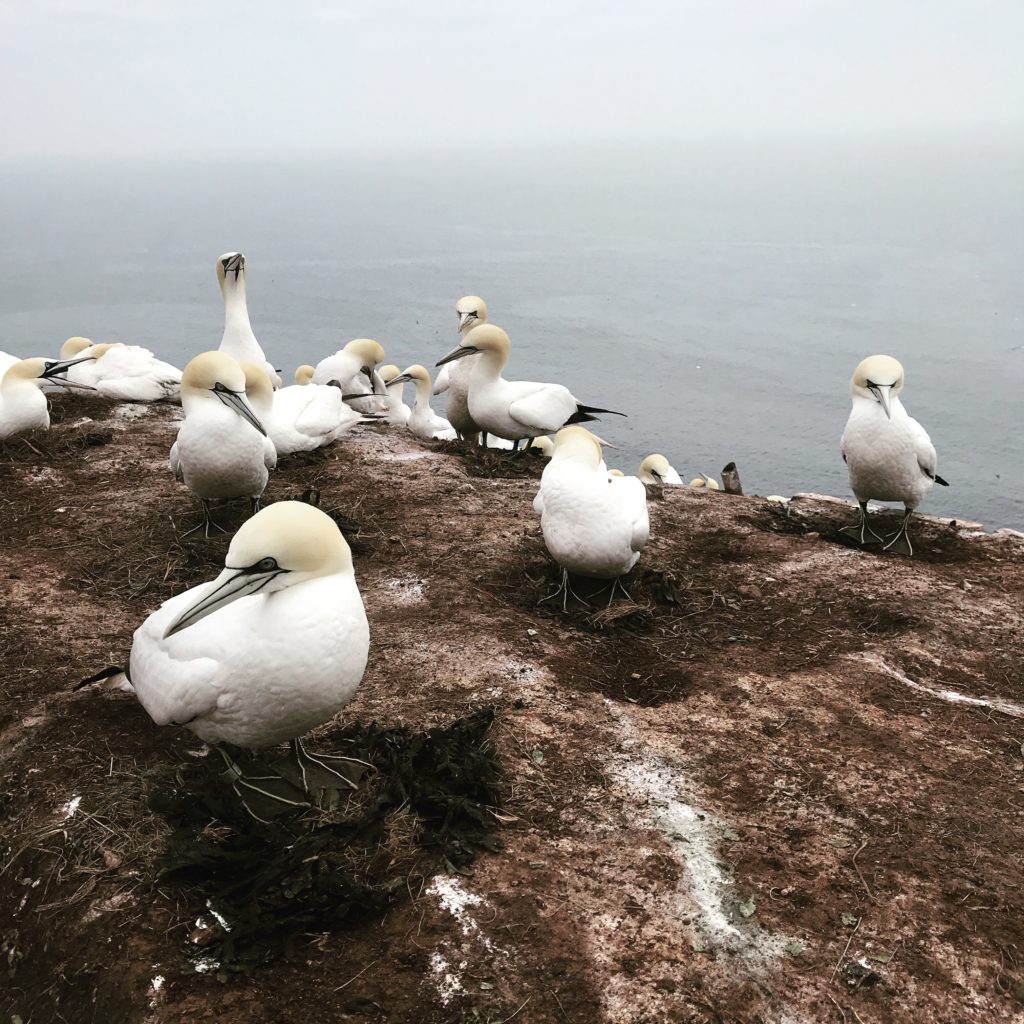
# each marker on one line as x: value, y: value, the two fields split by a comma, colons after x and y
x: 471, y: 311
x: 544, y: 445
x: 705, y: 481
x: 304, y: 374
x: 888, y: 454
x: 273, y: 647
x: 125, y: 373
x: 655, y: 469
x: 222, y: 449
x: 593, y: 525
x: 515, y: 410
x: 22, y: 402
x: 353, y: 368
x: 300, y: 417
x: 423, y: 421
x: 397, y: 411
x: 239, y: 340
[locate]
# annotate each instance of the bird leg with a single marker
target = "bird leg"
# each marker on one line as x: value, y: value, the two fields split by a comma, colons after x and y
x: 617, y: 584
x: 900, y: 540
x: 270, y: 795
x: 314, y: 767
x: 565, y: 590
x: 206, y: 523
x: 254, y: 505
x: 861, y: 528
x: 515, y: 446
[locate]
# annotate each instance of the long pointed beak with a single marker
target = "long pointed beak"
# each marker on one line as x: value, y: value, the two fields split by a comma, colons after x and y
x: 466, y: 318
x: 229, y: 586
x: 378, y: 383
x: 53, y: 371
x: 882, y: 393
x: 400, y: 379
x: 459, y: 352
x: 237, y: 403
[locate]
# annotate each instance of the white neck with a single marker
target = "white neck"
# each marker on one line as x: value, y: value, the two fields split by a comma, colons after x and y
x: 236, y: 313
x: 422, y: 395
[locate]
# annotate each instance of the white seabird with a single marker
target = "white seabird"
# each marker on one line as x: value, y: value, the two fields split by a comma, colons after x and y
x: 300, y: 417
x: 471, y: 311
x: 125, y: 373
x: 238, y: 339
x: 593, y: 525
x: 273, y: 647
x: 222, y: 449
x: 397, y: 411
x: 423, y: 421
x: 515, y: 410
x: 353, y: 367
x: 888, y: 454
x: 656, y: 469
x: 22, y: 402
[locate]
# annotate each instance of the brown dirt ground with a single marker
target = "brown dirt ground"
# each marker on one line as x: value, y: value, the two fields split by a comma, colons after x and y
x: 752, y: 795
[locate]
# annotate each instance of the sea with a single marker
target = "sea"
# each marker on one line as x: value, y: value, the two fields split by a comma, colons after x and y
x: 719, y: 294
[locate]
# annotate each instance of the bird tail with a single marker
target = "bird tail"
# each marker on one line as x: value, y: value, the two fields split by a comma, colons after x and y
x: 939, y: 480
x: 112, y: 678
x: 586, y: 413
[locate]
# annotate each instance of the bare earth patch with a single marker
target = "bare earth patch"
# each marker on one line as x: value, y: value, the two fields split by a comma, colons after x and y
x: 782, y: 785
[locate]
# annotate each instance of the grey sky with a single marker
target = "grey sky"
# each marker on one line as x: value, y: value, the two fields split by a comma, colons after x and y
x: 310, y: 78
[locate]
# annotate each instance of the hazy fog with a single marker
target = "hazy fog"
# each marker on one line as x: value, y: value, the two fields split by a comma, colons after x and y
x: 91, y: 79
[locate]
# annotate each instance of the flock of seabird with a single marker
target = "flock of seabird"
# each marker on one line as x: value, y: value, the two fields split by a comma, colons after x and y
x: 278, y: 642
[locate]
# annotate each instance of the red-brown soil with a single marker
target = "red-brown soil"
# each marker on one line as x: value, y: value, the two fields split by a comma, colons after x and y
x: 754, y: 794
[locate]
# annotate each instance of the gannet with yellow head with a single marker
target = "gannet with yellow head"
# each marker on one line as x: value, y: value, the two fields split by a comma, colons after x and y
x: 354, y: 369
x: 888, y: 454
x: 423, y: 421
x: 304, y: 374
x: 397, y: 411
x: 656, y: 469
x: 454, y: 376
x: 593, y: 524
x: 222, y: 449
x: 238, y: 339
x: 22, y: 402
x: 515, y: 410
x: 124, y: 373
x: 273, y: 647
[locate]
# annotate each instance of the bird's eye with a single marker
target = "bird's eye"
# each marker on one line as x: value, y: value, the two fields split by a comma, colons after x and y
x: 266, y: 565
x: 219, y: 387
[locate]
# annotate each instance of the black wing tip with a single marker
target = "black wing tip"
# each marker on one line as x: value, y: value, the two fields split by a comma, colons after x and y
x: 939, y: 480
x: 104, y: 673
x: 595, y: 409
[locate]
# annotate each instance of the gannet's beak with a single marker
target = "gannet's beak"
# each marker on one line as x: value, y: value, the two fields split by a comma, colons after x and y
x: 234, y: 264
x: 459, y: 352
x: 53, y: 369
x: 377, y: 381
x: 465, y: 318
x: 605, y: 444
x: 657, y: 476
x: 235, y: 401
x: 229, y: 586
x: 400, y: 379
x: 882, y: 393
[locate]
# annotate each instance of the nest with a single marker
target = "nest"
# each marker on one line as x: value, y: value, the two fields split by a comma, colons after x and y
x: 429, y: 807
x: 494, y: 463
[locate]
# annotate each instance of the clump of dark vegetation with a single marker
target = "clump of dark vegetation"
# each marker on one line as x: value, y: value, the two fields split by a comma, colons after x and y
x: 494, y: 463
x: 430, y: 806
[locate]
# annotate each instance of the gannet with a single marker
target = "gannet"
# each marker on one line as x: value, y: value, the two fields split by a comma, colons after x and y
x: 300, y: 417
x: 615, y: 473
x: 353, y: 368
x: 471, y: 311
x: 423, y: 421
x: 544, y: 445
x: 397, y: 411
x: 222, y: 449
x: 710, y: 483
x: 655, y: 469
x: 273, y: 647
x: 239, y: 340
x: 593, y: 525
x: 6, y: 362
x: 888, y: 454
x: 304, y: 374
x: 125, y: 373
x: 515, y: 410
x: 22, y: 402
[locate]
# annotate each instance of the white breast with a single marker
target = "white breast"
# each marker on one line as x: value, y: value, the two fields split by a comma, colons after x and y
x: 220, y: 455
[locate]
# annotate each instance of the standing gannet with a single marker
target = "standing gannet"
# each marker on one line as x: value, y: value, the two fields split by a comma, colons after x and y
x: 273, y: 647
x: 353, y: 367
x: 593, y: 524
x: 888, y: 454
x: 515, y: 410
x: 471, y: 311
x: 238, y: 339
x: 655, y: 469
x: 397, y: 411
x: 125, y: 373
x: 222, y: 449
x: 300, y: 417
x: 22, y: 402
x: 423, y: 421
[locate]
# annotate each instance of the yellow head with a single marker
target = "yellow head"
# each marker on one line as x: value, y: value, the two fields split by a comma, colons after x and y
x: 230, y: 269
x: 578, y: 443
x: 258, y: 388
x: 878, y: 378
x: 304, y: 374
x: 654, y: 468
x: 368, y: 351
x: 73, y: 346
x: 471, y: 310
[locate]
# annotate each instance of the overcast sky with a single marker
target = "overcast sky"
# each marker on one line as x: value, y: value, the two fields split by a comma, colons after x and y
x: 312, y: 78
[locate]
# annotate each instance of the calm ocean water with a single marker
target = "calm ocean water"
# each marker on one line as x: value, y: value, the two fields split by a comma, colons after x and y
x: 722, y: 297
